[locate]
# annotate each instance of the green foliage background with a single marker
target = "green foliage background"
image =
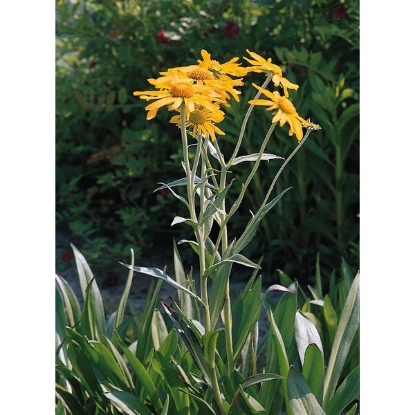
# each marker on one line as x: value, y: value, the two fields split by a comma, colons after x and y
x: 109, y: 159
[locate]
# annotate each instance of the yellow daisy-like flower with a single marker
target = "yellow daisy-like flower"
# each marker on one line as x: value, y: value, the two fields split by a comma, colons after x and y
x: 259, y: 64
x: 285, y: 111
x: 175, y: 90
x: 201, y: 121
x: 223, y: 87
x: 220, y: 70
x: 218, y: 76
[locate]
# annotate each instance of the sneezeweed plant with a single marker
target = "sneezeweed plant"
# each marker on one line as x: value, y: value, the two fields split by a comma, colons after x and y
x: 223, y: 363
x: 197, y: 93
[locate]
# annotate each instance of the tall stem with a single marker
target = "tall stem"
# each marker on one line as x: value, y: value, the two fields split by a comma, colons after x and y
x: 245, y: 185
x: 283, y: 167
x: 245, y: 121
x: 190, y: 175
x: 190, y: 182
x: 201, y: 237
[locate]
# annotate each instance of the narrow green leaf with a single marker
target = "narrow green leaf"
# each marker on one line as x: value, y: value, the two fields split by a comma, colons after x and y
x: 184, y: 300
x: 218, y: 290
x: 124, y: 297
x: 176, y: 195
x: 279, y: 345
x: 254, y: 406
x: 165, y: 410
x: 253, y: 224
x: 316, y: 295
x: 277, y: 287
x: 127, y: 403
x: 352, y: 410
x: 93, y: 314
x: 177, y: 220
x: 346, y: 393
x: 330, y: 317
x: 159, y: 329
x: 302, y: 400
x: 143, y: 378
x: 214, y: 205
x: 86, y: 277
x: 182, y: 182
x: 346, y: 273
x: 247, y: 315
x: 284, y: 314
x: 209, y: 341
x: 105, y: 365
x: 155, y: 272
x: 259, y: 378
x: 313, y: 370
x: 68, y: 400
x: 144, y: 344
x: 305, y: 334
x: 93, y: 322
x: 71, y: 307
x: 254, y: 157
x: 346, y: 330
x: 169, y: 345
x: 237, y: 258
x: 190, y: 341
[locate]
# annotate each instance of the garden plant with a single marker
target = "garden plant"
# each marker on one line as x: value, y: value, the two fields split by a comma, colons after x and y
x: 268, y: 350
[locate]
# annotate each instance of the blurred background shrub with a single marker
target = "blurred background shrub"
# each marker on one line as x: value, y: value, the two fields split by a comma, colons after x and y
x: 110, y: 159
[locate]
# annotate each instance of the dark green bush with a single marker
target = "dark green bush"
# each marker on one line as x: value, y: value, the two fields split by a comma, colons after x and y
x: 109, y: 159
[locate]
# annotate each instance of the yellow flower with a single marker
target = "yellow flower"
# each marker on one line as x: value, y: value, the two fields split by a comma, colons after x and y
x: 201, y: 121
x: 230, y: 68
x: 266, y: 66
x: 285, y: 111
x: 175, y: 89
x: 218, y: 76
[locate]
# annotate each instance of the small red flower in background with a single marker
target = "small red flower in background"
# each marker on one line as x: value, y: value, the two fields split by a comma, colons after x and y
x: 340, y: 12
x: 162, y: 38
x: 92, y: 64
x: 67, y: 256
x: 164, y: 192
x: 231, y: 30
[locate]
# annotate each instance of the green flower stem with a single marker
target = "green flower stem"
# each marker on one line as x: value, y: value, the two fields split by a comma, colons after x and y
x: 223, y: 241
x: 201, y: 237
x: 200, y: 240
x: 245, y: 121
x: 227, y: 312
x: 192, y: 209
x: 245, y: 185
x: 283, y: 167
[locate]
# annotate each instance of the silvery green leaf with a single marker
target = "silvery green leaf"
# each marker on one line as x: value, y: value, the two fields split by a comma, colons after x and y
x: 254, y: 157
x: 158, y: 273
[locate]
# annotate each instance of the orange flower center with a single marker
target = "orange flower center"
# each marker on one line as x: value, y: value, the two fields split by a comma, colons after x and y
x: 201, y: 74
x: 286, y: 106
x: 197, y: 117
x: 182, y: 90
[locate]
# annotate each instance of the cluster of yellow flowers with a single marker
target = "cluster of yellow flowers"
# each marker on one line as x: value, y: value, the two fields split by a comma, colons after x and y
x: 203, y: 88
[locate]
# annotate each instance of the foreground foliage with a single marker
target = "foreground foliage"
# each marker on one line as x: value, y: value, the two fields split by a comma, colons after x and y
x: 302, y: 360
